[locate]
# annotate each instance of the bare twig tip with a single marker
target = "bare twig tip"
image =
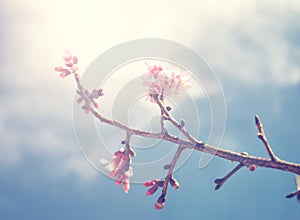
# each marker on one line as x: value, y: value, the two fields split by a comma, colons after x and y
x: 218, y: 187
x: 257, y: 121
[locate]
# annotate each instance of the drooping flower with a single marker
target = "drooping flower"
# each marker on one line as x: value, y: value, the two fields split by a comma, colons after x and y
x: 164, y: 82
x: 120, y: 168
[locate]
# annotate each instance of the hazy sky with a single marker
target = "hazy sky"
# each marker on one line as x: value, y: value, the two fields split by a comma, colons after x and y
x: 254, y: 49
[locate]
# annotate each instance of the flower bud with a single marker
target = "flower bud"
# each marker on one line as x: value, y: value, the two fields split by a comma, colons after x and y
x: 174, y: 183
x: 59, y: 69
x: 126, y: 185
x: 152, y: 190
x: 118, y: 182
x: 75, y: 59
x: 252, y: 167
x: 150, y: 183
x: 168, y: 108
x: 160, y: 203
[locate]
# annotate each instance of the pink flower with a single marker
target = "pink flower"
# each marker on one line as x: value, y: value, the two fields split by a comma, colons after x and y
x: 164, y: 82
x: 153, y: 70
x: 120, y: 169
x: 70, y: 65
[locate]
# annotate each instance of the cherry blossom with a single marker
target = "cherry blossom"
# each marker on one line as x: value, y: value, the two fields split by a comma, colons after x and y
x: 70, y: 65
x: 164, y: 82
x: 120, y: 168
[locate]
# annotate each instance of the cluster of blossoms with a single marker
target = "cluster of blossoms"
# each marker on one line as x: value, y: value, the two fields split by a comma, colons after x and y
x: 70, y: 65
x: 164, y: 82
x: 119, y: 167
x: 155, y: 185
x: 161, y: 83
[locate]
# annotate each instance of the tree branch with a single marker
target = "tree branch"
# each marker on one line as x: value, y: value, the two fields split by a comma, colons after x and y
x: 190, y: 143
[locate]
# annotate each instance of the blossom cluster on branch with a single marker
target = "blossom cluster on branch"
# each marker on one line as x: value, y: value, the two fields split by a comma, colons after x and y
x: 160, y: 83
x: 164, y: 82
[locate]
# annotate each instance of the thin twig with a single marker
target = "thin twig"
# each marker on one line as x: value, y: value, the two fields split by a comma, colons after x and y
x: 128, y: 150
x: 162, y: 122
x: 261, y: 135
x: 293, y: 194
x: 171, y: 169
x: 173, y: 120
x: 220, y: 182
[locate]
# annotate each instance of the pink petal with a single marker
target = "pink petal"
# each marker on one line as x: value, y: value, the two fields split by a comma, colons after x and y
x: 79, y: 100
x: 65, y: 73
x: 75, y: 60
x: 58, y: 68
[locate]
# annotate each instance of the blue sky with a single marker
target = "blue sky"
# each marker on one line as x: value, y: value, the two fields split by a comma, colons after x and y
x: 254, y: 49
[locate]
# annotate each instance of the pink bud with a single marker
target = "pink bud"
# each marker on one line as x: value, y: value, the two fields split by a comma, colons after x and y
x: 160, y: 203
x: 159, y: 206
x: 149, y: 183
x: 119, y: 180
x: 79, y: 100
x: 174, y: 183
x: 252, y: 167
x: 59, y: 69
x: 75, y: 60
x: 152, y: 190
x: 96, y: 105
x: 126, y: 185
